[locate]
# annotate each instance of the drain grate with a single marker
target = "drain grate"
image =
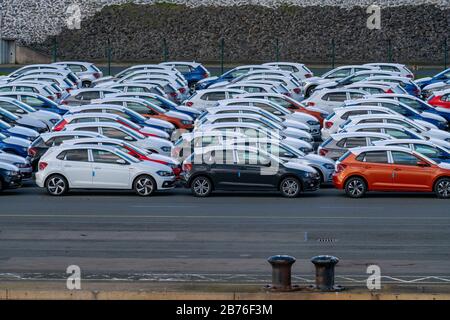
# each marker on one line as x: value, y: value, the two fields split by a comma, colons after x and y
x: 327, y: 240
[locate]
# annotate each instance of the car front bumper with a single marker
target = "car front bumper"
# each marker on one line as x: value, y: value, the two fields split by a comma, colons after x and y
x: 311, y: 183
x: 12, y: 182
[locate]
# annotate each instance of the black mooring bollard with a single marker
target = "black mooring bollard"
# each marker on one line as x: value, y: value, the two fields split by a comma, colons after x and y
x: 325, y: 273
x: 281, y: 272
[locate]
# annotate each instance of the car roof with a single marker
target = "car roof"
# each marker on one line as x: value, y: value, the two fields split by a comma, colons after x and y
x: 219, y: 90
x: 233, y: 107
x: 93, y: 90
x: 94, y: 124
x: 342, y: 135
x: 106, y: 99
x: 63, y: 147
x: 196, y: 134
x: 237, y: 115
x: 441, y: 92
x: 192, y: 63
x: 359, y: 150
x: 244, y: 99
x: 48, y: 135
x: 91, y: 114
x: 84, y: 63
x: 383, y: 116
x: 93, y: 139
x: 283, y: 63
x: 97, y: 106
x: 325, y: 91
x: 379, y: 125
x: 369, y: 99
x: 414, y: 141
x: 384, y: 64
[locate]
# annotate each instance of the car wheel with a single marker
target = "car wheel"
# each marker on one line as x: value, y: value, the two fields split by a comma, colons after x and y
x: 290, y: 187
x: 442, y: 188
x: 86, y: 84
x: 1, y: 185
x: 201, y: 186
x: 308, y: 92
x: 57, y: 185
x: 144, y: 186
x: 355, y: 187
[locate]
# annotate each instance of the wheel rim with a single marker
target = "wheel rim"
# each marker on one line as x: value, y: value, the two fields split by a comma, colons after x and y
x: 290, y: 187
x: 201, y: 186
x: 443, y: 188
x: 356, y: 187
x: 56, y: 186
x: 144, y: 186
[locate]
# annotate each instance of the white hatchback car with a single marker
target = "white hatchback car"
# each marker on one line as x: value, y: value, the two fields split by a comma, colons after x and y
x: 203, y: 99
x: 99, y: 167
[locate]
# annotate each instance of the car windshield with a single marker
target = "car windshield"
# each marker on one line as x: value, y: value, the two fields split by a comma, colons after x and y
x: 9, y: 115
x: 131, y: 132
x: 2, y: 136
x: 126, y: 156
x: 25, y: 106
x: 4, y: 125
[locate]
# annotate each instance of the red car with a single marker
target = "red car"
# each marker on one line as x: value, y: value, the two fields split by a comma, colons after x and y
x: 440, y: 99
x: 389, y: 168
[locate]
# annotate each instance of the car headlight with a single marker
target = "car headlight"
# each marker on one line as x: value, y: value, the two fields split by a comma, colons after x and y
x: 186, y: 121
x: 165, y: 173
x: 54, y: 121
x: 328, y: 166
x: 168, y: 130
x: 165, y: 149
x: 13, y: 173
x: 22, y: 165
x: 306, y: 139
x: 324, y: 115
x: 310, y: 174
x: 448, y: 139
x: 306, y: 150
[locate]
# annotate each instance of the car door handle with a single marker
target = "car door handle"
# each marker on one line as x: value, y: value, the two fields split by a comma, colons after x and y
x: 97, y: 168
x: 67, y: 166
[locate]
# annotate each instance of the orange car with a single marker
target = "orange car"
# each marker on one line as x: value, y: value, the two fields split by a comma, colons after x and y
x: 389, y: 168
x: 150, y: 110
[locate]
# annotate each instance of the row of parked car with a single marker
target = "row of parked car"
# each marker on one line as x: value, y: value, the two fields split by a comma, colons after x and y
x: 273, y: 126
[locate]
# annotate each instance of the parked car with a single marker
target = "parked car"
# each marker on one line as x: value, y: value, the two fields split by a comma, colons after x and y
x: 87, y: 72
x: 32, y: 67
x: 406, y: 83
x: 10, y: 176
x: 229, y: 75
x: 160, y: 101
x: 39, y: 147
x: 61, y: 72
x: 373, y: 87
x: 63, y: 86
x: 121, y: 132
x: 23, y: 86
x: 299, y: 69
x: 20, y: 162
x: 239, y: 168
x: 191, y: 71
x: 203, y: 99
x: 36, y: 101
x: 14, y: 145
x: 353, y: 78
x: 22, y: 109
x: 127, y: 114
x: 23, y: 121
x: 18, y: 131
x: 393, y: 67
x: 430, y: 89
x: 140, y: 87
x: 99, y: 167
x: 427, y: 148
x: 333, y: 98
x: 393, y: 130
x: 388, y: 168
x: 441, y: 76
x: 109, y: 117
x: 150, y: 110
x: 335, y: 120
x: 84, y: 96
x: 252, y: 87
x: 293, y: 86
x: 131, y: 150
x: 440, y: 99
x: 339, y: 143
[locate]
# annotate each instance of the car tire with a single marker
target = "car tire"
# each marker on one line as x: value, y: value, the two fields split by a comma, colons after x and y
x: 144, y: 186
x: 201, y: 187
x: 309, y: 91
x: 86, y: 84
x: 1, y: 185
x: 442, y: 188
x: 355, y: 187
x: 56, y: 185
x: 290, y: 187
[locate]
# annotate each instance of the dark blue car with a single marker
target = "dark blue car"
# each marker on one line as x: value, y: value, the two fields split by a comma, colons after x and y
x: 14, y: 145
x: 36, y: 101
x: 191, y: 71
x: 441, y: 76
x: 10, y: 177
x: 18, y: 131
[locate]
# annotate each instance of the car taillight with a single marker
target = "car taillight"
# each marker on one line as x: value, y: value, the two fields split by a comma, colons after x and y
x: 287, y: 94
x: 189, y: 103
x: 173, y: 94
x: 310, y: 103
x: 308, y: 75
x: 323, y: 152
x: 297, y: 90
x: 187, y: 166
x: 50, y: 97
x: 410, y: 76
x: 182, y: 90
x: 32, y: 151
x: 389, y: 91
x: 42, y: 165
x: 205, y: 75
x: 58, y: 95
x: 60, y: 125
x: 68, y: 90
x: 64, y: 102
x: 328, y: 124
x: 96, y: 75
x: 340, y: 167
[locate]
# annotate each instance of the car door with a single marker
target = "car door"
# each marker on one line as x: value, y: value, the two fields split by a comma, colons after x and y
x: 223, y: 168
x: 377, y: 170
x: 408, y: 174
x: 254, y: 171
x: 107, y: 172
x: 77, y: 168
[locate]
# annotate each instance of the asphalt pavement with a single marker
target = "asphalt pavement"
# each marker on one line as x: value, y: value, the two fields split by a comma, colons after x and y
x: 227, y: 237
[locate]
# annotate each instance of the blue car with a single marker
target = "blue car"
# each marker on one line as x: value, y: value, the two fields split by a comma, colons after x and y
x: 14, y: 145
x: 18, y: 131
x: 161, y: 102
x: 441, y: 76
x: 26, y: 121
x: 193, y: 72
x: 10, y: 177
x: 36, y: 101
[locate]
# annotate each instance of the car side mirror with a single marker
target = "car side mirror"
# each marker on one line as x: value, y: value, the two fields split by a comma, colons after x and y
x: 422, y: 163
x: 121, y: 161
x: 128, y: 138
x: 20, y: 111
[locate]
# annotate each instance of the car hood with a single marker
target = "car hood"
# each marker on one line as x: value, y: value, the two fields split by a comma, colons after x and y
x: 439, y: 109
x: 328, y: 84
x: 444, y: 165
x: 7, y: 157
x: 31, y: 122
x: 158, y: 132
x: 7, y: 166
x: 24, y: 131
x: 299, y: 116
x: 318, y: 159
x: 218, y: 84
x: 439, y: 133
x: 155, y: 141
x: 160, y: 157
x: 433, y: 116
x: 297, y: 133
x: 295, y: 124
x: 436, y: 85
x: 46, y: 115
x: 17, y: 141
x: 207, y: 80
x: 299, y: 166
x: 441, y: 143
x: 179, y: 115
x: 153, y: 166
x: 316, y: 80
x: 422, y: 80
x: 160, y: 123
x: 188, y: 109
x: 297, y: 143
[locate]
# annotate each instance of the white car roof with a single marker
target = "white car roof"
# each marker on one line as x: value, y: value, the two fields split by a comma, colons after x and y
x: 338, y: 90
x: 220, y: 90
x: 70, y: 127
x: 174, y: 63
x: 398, y: 141
x: 93, y: 140
x: 49, y: 135
x: 342, y: 135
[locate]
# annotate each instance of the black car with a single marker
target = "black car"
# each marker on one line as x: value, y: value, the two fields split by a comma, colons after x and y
x: 242, y: 168
x: 10, y: 177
